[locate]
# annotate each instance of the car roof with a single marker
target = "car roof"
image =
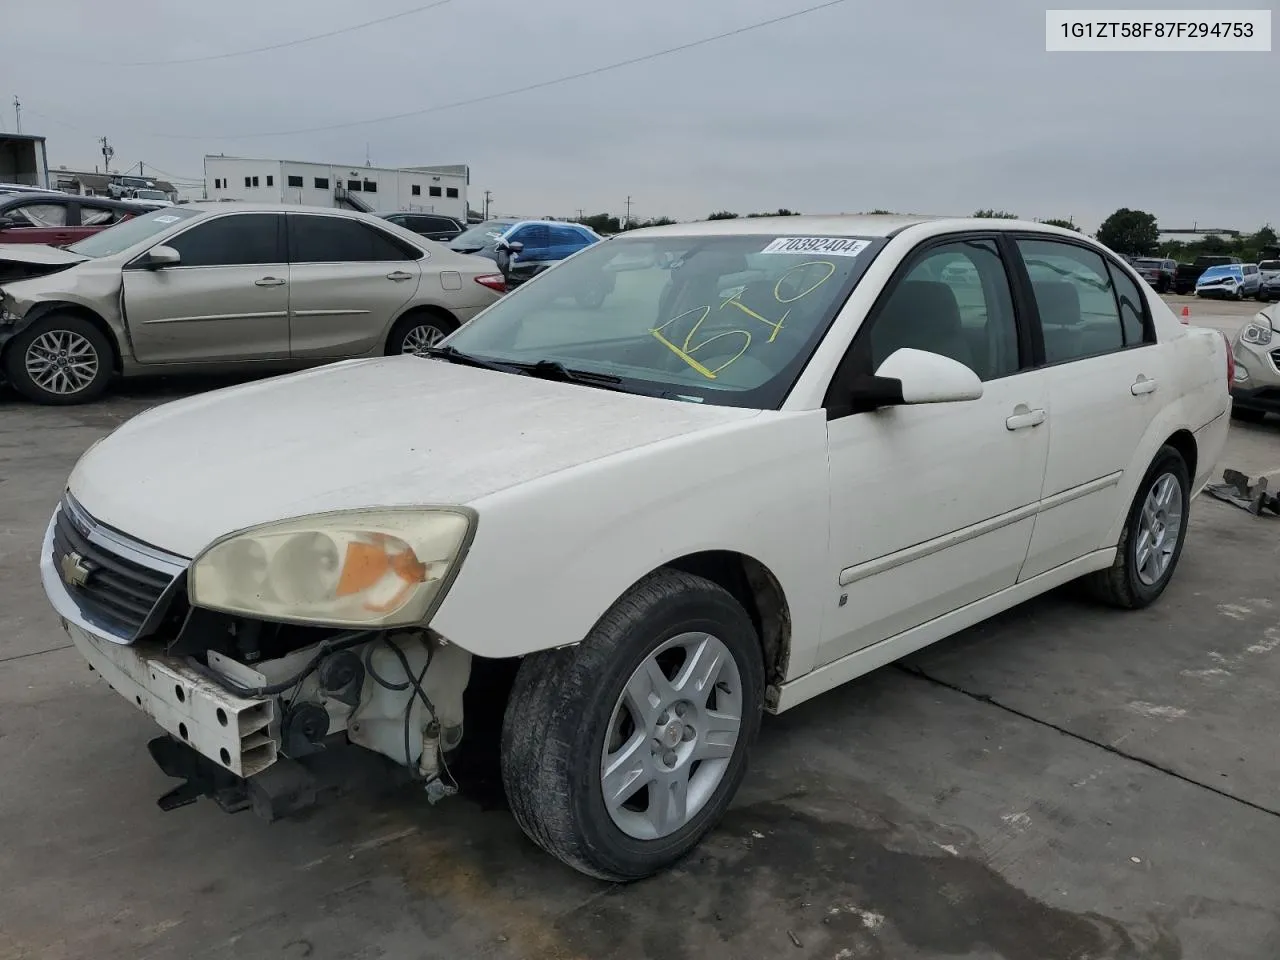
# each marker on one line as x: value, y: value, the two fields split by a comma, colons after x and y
x: 864, y: 225
x: 543, y: 223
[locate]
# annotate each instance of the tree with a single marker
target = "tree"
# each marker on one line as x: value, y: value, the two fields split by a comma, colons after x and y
x: 1214, y: 244
x: 878, y: 212
x: 1065, y: 224
x: 990, y: 214
x: 723, y: 215
x: 601, y: 223
x: 1132, y: 232
x: 780, y: 212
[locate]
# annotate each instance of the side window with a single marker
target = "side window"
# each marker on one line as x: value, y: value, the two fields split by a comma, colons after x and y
x: 437, y: 223
x: 567, y: 237
x: 40, y: 215
x: 92, y: 216
x: 240, y: 239
x: 1132, y: 309
x: 1250, y: 269
x: 954, y: 301
x: 340, y: 240
x: 1075, y: 298
x: 535, y: 236
x: 295, y: 181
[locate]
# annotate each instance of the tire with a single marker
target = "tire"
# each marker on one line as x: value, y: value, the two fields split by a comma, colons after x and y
x: 415, y: 332
x: 569, y: 705
x: 1128, y: 583
x: 84, y: 353
x: 1247, y: 414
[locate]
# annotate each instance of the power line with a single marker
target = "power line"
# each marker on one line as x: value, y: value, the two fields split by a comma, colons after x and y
x: 438, y: 108
x: 274, y: 46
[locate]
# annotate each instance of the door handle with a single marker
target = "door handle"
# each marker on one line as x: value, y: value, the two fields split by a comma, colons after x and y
x: 1142, y: 385
x: 269, y: 282
x: 1025, y: 418
x: 399, y: 275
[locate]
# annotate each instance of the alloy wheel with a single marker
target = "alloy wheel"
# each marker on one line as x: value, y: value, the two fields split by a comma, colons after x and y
x: 61, y: 362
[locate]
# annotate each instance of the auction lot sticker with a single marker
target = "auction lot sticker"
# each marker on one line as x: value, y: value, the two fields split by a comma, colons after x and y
x: 828, y: 246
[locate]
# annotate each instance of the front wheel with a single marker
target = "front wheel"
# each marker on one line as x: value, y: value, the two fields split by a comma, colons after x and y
x: 1151, y: 542
x: 620, y: 753
x: 61, y: 359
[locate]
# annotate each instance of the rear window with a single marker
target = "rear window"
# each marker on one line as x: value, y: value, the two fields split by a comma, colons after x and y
x: 1270, y: 265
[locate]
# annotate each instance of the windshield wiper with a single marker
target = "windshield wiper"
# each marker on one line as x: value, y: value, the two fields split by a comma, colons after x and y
x: 555, y: 370
x: 454, y: 355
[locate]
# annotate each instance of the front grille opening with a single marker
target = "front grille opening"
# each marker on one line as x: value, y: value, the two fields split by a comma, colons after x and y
x: 115, y: 592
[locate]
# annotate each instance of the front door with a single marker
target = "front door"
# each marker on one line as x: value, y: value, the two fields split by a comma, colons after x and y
x: 348, y: 282
x: 1107, y: 379
x: 933, y: 506
x: 227, y: 299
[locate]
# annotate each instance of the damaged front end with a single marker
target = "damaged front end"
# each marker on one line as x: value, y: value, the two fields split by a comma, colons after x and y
x: 245, y: 702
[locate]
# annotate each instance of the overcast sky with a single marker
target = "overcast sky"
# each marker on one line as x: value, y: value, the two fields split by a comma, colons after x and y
x: 935, y: 106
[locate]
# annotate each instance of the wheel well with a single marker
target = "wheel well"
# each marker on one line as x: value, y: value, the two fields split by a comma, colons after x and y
x: 84, y: 313
x: 1185, y: 444
x: 438, y: 313
x: 754, y: 586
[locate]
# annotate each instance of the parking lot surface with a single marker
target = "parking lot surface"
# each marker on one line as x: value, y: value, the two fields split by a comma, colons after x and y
x: 1062, y: 782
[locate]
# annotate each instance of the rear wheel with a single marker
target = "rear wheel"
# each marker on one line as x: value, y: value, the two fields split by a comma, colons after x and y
x: 1151, y: 542
x: 61, y: 359
x: 417, y: 332
x: 620, y: 753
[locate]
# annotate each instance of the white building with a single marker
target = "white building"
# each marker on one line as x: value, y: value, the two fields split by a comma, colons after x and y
x: 440, y: 189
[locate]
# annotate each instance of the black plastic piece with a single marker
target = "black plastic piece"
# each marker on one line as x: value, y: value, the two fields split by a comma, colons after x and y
x: 284, y: 788
x: 303, y: 729
x: 341, y: 675
x: 202, y: 777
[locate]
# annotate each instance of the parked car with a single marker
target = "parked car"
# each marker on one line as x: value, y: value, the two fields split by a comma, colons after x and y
x: 58, y: 218
x: 524, y: 248
x: 1157, y: 271
x: 1255, y: 391
x: 151, y: 198
x: 433, y: 226
x: 205, y: 287
x: 713, y: 495
x: 1187, y: 274
x: 1269, y: 282
x: 1233, y: 281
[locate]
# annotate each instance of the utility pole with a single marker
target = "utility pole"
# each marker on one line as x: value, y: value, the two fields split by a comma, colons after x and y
x: 17, y: 112
x: 487, y: 196
x: 627, y: 221
x: 107, y: 154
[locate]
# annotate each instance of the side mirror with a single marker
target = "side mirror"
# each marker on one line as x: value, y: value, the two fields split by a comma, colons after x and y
x: 7, y: 222
x: 515, y: 246
x: 911, y: 376
x: 162, y: 256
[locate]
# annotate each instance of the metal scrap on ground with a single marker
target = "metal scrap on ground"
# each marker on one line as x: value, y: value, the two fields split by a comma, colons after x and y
x: 1246, y: 494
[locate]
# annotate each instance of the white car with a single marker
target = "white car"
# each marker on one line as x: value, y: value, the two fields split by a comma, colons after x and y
x: 780, y: 454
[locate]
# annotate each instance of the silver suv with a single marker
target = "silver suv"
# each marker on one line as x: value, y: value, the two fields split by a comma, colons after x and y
x: 1255, y: 388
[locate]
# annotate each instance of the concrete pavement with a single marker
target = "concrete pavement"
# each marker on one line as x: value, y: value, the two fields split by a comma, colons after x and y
x: 1063, y: 782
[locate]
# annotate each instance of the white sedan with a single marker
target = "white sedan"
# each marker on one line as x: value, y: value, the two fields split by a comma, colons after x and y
x: 780, y: 454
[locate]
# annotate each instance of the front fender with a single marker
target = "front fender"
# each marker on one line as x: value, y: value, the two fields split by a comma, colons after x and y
x: 551, y: 556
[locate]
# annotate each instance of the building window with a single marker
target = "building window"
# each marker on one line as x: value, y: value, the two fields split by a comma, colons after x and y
x: 416, y: 190
x: 248, y: 181
x: 434, y: 191
x: 451, y: 192
x: 271, y: 181
x: 295, y: 181
x: 353, y: 186
x: 322, y: 183
x: 370, y: 186
x: 255, y: 181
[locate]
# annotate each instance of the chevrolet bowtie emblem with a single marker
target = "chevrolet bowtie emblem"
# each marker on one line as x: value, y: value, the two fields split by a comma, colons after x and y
x: 74, y: 571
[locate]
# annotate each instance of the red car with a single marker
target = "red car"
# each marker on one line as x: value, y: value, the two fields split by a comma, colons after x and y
x: 59, y: 218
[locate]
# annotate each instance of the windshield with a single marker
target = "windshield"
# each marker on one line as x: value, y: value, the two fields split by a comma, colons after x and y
x: 125, y: 234
x: 1214, y: 273
x: 730, y: 320
x: 482, y: 234
x: 150, y: 195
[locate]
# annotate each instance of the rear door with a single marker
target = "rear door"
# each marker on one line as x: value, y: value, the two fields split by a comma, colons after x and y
x: 348, y: 282
x: 228, y: 298
x: 1106, y: 378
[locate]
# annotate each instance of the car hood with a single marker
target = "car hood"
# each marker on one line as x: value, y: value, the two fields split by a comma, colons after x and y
x: 363, y: 433
x: 1216, y: 273
x: 38, y: 254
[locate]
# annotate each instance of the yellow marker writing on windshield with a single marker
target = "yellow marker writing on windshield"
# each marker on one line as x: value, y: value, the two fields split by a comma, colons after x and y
x: 710, y: 375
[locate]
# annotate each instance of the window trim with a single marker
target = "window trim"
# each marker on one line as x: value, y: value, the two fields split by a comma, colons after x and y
x: 1149, y: 338
x: 281, y: 243
x: 841, y: 385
